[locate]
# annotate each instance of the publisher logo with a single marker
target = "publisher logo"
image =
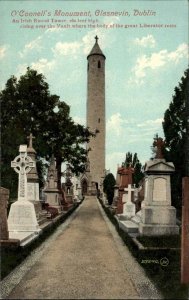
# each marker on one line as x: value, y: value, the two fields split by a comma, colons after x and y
x: 164, y: 261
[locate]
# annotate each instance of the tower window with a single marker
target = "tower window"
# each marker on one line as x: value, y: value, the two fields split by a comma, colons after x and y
x: 98, y: 120
x: 99, y: 64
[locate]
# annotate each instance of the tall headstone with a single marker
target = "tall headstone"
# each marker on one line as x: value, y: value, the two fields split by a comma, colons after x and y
x: 51, y: 191
x: 4, y: 196
x: 129, y: 209
x: 158, y: 217
x: 22, y: 221
x: 33, y: 179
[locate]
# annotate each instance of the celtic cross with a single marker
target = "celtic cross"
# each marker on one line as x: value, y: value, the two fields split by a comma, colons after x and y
x: 22, y: 164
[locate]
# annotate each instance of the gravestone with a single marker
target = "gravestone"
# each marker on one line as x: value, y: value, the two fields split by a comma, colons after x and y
x: 77, y: 195
x: 158, y: 217
x: 126, y: 175
x: 22, y: 221
x: 51, y: 191
x: 116, y: 189
x: 4, y: 196
x: 140, y: 197
x: 129, y: 206
x: 33, y: 180
x: 68, y: 185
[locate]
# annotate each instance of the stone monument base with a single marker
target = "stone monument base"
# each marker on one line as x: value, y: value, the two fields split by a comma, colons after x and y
x: 10, y: 243
x: 158, y: 220
x: 129, y: 226
x: 38, y: 208
x: 164, y: 215
x: 152, y: 230
x: 22, y: 217
x: 69, y: 199
x: 53, y: 198
x: 23, y: 236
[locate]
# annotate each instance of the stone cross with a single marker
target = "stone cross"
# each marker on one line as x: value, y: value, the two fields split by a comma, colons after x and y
x: 96, y: 38
x: 129, y: 190
x: 30, y: 138
x: 159, y: 143
x: 22, y: 164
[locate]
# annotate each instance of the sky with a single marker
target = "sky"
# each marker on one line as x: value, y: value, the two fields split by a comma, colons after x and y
x: 146, y: 49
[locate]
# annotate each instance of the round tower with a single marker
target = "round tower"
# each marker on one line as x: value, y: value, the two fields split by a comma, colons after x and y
x: 96, y: 114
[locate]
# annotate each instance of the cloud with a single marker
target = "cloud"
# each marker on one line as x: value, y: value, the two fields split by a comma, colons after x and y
x: 43, y: 65
x: 150, y: 123
x: 155, y: 61
x: 126, y: 132
x: 3, y: 50
x: 115, y: 124
x: 88, y: 40
x: 114, y: 159
x: 146, y: 41
x: 181, y: 51
x: 56, y: 29
x: 21, y: 69
x: 110, y: 21
x: 79, y: 120
x: 66, y: 48
x: 33, y: 45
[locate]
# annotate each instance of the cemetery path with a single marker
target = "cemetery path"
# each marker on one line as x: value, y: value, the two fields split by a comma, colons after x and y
x: 84, y: 262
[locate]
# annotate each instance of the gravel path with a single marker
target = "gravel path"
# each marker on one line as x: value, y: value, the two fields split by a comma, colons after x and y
x: 86, y: 260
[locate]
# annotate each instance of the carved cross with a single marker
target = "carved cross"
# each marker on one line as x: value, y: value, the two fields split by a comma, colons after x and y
x: 129, y: 190
x: 159, y: 144
x: 30, y: 138
x: 22, y: 164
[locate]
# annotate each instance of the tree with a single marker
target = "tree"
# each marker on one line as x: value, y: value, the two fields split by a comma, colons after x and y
x: 108, y: 187
x: 27, y: 106
x: 174, y: 126
x: 133, y: 161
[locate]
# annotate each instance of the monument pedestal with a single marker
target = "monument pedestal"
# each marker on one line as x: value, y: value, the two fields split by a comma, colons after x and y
x: 158, y: 217
x: 158, y: 221
x: 22, y: 217
x: 69, y: 199
x: 37, y: 207
x: 53, y: 198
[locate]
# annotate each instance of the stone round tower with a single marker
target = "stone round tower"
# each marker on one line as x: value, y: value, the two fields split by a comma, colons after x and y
x: 96, y: 114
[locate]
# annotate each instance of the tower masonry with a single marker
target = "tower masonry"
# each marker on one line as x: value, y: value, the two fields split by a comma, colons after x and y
x: 96, y: 114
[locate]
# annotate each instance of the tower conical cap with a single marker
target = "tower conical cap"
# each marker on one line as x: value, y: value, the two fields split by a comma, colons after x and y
x: 96, y: 49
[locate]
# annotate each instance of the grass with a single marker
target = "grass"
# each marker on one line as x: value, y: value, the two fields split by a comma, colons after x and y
x: 165, y: 277
x: 11, y: 257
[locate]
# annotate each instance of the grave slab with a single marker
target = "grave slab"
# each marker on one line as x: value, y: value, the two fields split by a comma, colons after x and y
x: 128, y: 226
